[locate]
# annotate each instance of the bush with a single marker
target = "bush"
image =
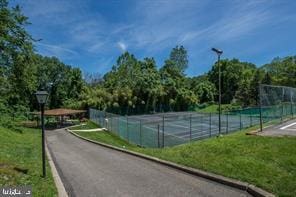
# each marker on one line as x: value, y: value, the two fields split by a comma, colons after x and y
x: 230, y: 107
x: 72, y: 104
x: 8, y: 123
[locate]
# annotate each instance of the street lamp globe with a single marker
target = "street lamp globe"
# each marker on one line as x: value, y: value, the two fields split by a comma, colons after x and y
x: 41, y: 96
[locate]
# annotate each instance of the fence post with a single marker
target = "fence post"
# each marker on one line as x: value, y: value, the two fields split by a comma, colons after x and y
x: 291, y: 101
x: 127, y: 128
x: 210, y: 124
x: 240, y: 119
x: 104, y: 119
x: 292, y: 111
x: 227, y: 122
x: 141, y: 133
x: 190, y: 128
x: 158, y: 142
x: 260, y: 106
x: 118, y: 126
x: 201, y: 120
x: 282, y: 113
x: 111, y: 120
x: 163, y: 131
x: 98, y: 116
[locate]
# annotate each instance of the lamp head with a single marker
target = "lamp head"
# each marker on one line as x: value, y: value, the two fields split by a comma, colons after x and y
x: 41, y: 96
x: 218, y: 51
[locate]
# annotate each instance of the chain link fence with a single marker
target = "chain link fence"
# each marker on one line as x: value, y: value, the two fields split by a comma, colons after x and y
x: 170, y: 129
x: 277, y: 103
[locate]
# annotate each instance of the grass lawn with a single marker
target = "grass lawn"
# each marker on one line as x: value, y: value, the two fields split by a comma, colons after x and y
x: 86, y: 125
x: 267, y: 162
x: 108, y: 138
x: 21, y: 164
x: 214, y: 108
x: 208, y: 109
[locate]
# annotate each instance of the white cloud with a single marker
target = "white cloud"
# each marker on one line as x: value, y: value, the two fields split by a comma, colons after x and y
x: 55, y: 50
x: 122, y: 46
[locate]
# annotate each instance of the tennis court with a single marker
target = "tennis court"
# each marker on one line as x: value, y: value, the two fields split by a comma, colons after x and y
x: 277, y: 104
x: 169, y: 129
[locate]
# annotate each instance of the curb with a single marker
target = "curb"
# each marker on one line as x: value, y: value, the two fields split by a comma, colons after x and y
x: 251, y: 189
x: 57, y: 180
x: 89, y: 130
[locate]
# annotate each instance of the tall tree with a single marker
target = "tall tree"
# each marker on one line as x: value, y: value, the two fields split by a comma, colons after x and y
x: 205, y: 91
x: 15, y: 53
x: 179, y: 56
x: 254, y: 86
x: 282, y: 71
x: 267, y: 79
x: 232, y: 73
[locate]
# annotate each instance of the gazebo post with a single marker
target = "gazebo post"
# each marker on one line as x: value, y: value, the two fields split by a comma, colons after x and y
x: 62, y: 120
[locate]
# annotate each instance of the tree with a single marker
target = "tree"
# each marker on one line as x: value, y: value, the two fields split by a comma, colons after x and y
x: 179, y: 56
x: 232, y: 73
x: 254, y: 86
x: 281, y: 71
x: 177, y: 94
x: 149, y: 88
x: 15, y: 52
x: 205, y: 91
x: 267, y: 79
x: 93, y: 79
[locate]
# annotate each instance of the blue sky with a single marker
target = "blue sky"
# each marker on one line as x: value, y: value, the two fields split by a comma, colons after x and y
x: 91, y: 34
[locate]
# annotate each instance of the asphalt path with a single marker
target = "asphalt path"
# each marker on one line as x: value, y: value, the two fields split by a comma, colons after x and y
x: 87, y: 169
x: 287, y: 128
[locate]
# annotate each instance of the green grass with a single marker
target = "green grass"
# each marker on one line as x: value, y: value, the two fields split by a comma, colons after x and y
x: 108, y: 138
x: 267, y: 162
x: 23, y: 151
x: 214, y: 108
x: 208, y: 109
x: 88, y: 125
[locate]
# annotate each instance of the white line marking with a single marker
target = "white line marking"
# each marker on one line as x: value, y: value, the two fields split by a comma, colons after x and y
x: 287, y: 126
x: 290, y: 129
x: 176, y: 125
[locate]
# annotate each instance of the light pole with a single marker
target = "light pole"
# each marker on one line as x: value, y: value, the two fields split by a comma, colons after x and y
x: 42, y: 98
x: 219, y: 53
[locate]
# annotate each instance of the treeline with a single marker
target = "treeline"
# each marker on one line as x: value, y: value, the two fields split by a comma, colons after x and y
x: 22, y: 71
x: 138, y: 86
x: 131, y: 86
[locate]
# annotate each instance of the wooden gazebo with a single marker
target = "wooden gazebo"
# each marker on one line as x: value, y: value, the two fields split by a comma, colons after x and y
x: 61, y: 113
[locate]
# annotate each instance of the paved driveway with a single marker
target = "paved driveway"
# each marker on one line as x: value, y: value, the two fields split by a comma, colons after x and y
x: 283, y: 129
x: 91, y: 170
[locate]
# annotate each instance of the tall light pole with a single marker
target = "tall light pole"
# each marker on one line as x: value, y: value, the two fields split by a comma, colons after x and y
x: 42, y: 98
x: 219, y: 53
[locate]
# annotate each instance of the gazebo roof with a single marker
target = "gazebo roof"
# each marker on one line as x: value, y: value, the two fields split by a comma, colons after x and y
x: 60, y: 112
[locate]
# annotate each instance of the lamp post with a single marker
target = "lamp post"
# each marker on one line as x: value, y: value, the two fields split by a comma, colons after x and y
x: 219, y: 53
x: 42, y: 98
